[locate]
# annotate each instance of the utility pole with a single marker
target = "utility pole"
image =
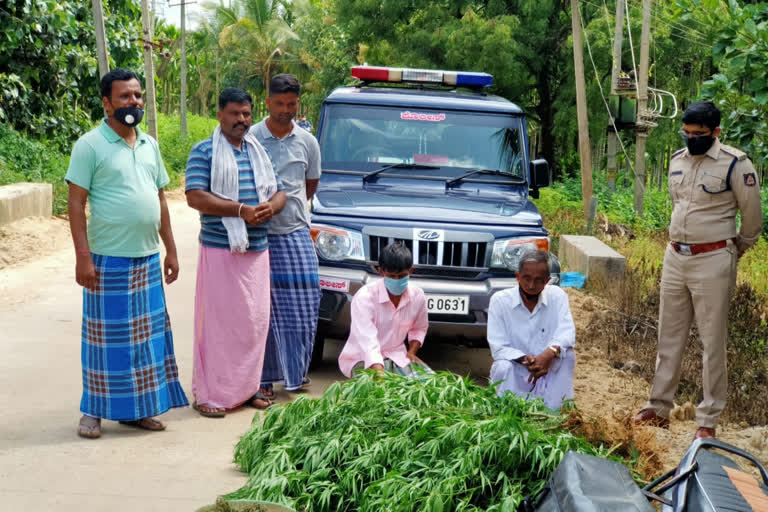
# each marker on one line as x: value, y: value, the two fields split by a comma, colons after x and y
x: 149, y: 69
x: 642, y: 102
x: 101, y: 38
x: 585, y: 151
x: 183, y: 99
x: 612, y: 135
x: 183, y: 95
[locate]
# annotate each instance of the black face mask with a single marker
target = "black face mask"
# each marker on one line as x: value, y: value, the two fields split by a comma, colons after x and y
x: 129, y: 116
x: 528, y: 296
x: 699, y: 145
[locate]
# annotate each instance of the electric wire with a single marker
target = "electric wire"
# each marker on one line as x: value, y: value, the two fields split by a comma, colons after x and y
x: 631, y: 46
x: 680, y: 31
x: 608, y: 20
x: 682, y: 26
x: 677, y: 31
x: 602, y: 94
x: 683, y: 32
x: 685, y: 27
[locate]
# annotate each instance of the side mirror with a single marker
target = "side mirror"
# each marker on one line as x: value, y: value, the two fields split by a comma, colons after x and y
x: 540, y: 174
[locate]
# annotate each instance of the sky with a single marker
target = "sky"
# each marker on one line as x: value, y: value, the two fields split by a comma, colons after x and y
x: 173, y: 14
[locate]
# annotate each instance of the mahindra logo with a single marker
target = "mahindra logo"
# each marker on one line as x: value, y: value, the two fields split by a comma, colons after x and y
x: 427, y: 234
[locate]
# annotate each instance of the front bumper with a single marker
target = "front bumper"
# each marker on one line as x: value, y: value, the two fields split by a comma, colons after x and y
x: 340, y: 284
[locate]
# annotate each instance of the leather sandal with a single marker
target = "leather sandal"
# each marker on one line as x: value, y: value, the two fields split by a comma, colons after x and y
x: 208, y: 412
x: 268, y: 391
x: 89, y: 427
x: 145, y: 424
x: 260, y: 396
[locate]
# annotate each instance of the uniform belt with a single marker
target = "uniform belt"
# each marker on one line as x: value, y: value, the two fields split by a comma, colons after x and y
x: 691, y: 249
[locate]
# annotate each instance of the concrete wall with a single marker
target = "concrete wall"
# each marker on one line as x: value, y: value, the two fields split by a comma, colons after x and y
x: 25, y: 200
x: 591, y: 257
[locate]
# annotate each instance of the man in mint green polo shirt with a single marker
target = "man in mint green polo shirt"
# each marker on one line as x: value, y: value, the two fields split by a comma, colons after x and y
x: 129, y: 367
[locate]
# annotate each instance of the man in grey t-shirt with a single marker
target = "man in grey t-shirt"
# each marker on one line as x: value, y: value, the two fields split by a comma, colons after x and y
x: 295, y: 289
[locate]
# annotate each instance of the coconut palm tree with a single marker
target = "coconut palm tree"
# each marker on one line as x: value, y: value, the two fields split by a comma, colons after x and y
x: 255, y: 36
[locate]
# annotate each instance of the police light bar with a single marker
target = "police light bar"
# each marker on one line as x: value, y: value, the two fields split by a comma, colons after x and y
x: 397, y: 75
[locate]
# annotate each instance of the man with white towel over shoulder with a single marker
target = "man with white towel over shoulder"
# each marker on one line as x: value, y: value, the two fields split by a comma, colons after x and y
x: 230, y: 181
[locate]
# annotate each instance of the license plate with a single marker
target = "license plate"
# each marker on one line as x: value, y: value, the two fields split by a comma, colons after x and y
x: 448, y: 304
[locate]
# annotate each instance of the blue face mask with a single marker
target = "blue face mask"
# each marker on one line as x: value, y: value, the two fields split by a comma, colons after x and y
x: 396, y: 286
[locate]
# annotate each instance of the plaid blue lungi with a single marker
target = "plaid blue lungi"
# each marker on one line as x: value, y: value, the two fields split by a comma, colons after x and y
x: 295, y: 298
x: 129, y: 368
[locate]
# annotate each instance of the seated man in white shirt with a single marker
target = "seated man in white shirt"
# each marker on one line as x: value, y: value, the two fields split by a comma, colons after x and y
x: 531, y: 335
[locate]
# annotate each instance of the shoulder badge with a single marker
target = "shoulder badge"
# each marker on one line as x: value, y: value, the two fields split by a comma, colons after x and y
x: 750, y: 180
x: 739, y: 154
x: 677, y: 153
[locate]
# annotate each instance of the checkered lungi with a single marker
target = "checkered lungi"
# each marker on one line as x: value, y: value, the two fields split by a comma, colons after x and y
x: 295, y: 301
x: 129, y: 368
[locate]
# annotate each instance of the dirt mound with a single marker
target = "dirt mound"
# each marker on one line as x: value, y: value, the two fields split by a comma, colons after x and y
x: 612, y: 395
x: 31, y: 238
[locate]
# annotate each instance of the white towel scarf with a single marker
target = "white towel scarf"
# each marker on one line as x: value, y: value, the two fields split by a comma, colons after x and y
x: 225, y: 182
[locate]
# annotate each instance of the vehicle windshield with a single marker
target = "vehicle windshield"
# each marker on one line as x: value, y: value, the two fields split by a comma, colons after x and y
x: 354, y: 135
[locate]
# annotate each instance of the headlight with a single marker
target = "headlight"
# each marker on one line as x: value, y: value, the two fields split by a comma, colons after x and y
x: 337, y: 244
x: 507, y: 253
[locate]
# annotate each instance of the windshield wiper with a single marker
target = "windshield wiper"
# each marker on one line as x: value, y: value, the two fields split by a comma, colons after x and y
x: 472, y: 172
x: 400, y: 165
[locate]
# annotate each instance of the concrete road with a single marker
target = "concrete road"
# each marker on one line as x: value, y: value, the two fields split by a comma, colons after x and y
x: 44, y: 465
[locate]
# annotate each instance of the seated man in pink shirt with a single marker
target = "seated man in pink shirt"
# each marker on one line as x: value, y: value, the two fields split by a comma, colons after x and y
x: 384, y: 313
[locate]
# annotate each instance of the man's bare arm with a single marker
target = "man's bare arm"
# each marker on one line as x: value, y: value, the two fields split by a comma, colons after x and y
x: 171, y: 263
x: 209, y: 204
x: 85, y: 271
x: 311, y: 188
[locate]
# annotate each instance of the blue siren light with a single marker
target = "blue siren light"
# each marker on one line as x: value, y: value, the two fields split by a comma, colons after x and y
x: 474, y: 79
x: 397, y: 75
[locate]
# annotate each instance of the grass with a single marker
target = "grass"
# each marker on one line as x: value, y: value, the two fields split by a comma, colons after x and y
x: 174, y: 148
x: 24, y: 159
x: 38, y: 161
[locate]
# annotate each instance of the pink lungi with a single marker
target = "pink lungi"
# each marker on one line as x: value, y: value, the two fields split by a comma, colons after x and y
x: 231, y: 324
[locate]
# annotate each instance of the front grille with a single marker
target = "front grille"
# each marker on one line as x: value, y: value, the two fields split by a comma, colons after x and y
x: 454, y: 254
x: 378, y: 243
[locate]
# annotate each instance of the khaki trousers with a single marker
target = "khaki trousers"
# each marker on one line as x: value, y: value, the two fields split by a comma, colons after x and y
x: 694, y: 286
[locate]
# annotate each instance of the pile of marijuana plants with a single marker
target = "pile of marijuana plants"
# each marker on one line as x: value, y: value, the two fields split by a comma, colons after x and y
x: 392, y: 444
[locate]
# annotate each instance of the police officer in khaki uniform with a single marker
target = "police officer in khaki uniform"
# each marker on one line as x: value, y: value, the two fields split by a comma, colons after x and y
x: 709, y: 183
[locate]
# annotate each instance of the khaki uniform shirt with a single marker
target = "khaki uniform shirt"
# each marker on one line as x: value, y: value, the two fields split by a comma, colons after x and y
x: 704, y: 207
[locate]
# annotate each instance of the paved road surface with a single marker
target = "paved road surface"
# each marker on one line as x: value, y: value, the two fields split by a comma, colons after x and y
x: 45, y: 466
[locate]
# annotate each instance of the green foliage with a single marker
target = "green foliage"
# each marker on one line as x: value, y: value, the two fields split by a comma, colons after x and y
x: 389, y: 443
x: 469, y: 35
x: 740, y: 87
x: 618, y: 206
x: 25, y: 160
x: 255, y: 37
x: 327, y: 54
x: 174, y: 148
x: 48, y: 68
x: 562, y: 214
